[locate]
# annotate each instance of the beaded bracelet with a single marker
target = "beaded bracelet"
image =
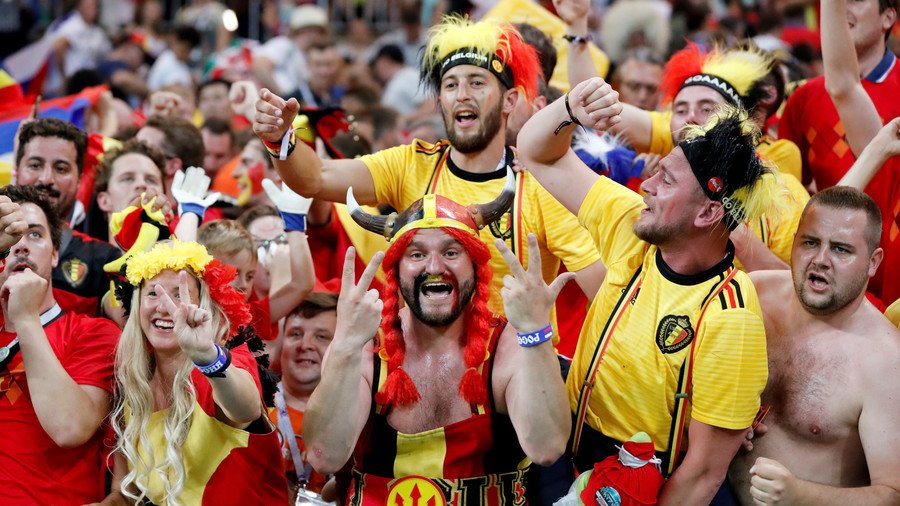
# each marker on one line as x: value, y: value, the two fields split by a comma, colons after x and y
x: 217, y: 368
x: 537, y: 337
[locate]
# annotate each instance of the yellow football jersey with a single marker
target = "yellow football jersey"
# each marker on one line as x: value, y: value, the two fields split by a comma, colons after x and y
x: 404, y: 174
x: 650, y: 315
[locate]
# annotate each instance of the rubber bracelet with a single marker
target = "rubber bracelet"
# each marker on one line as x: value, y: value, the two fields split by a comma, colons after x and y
x: 572, y: 119
x: 191, y: 207
x: 578, y: 39
x: 294, y: 222
x: 217, y: 368
x: 537, y: 337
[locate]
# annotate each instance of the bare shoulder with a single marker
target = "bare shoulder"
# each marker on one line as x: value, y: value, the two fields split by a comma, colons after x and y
x: 774, y: 288
x: 883, y: 351
x: 766, y: 281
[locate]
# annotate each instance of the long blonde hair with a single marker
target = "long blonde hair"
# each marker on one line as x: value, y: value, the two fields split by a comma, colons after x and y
x: 135, y: 367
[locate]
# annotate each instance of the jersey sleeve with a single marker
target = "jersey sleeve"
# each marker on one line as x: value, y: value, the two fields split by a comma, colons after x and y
x: 608, y: 213
x: 387, y: 168
x: 90, y: 358
x: 730, y: 369
x: 564, y: 236
x: 661, y: 142
x: 241, y: 358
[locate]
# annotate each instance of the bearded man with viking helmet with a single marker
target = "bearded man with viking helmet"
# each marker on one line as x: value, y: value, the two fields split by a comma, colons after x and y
x: 448, y: 404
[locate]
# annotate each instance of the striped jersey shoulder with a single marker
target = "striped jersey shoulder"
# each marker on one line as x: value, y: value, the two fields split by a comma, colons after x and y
x: 738, y: 293
x: 427, y: 148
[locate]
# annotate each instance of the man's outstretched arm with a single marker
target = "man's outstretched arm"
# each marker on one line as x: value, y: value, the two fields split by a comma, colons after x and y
x: 303, y: 171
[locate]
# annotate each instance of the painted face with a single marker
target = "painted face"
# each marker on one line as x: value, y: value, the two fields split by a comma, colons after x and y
x: 156, y: 321
x: 830, y: 260
x: 437, y: 277
x: 246, y: 269
x: 132, y: 174
x: 265, y: 230
x: 34, y: 250
x: 305, y: 343
x: 51, y: 165
x: 671, y: 196
x: 693, y: 106
x: 472, y: 106
x: 639, y: 81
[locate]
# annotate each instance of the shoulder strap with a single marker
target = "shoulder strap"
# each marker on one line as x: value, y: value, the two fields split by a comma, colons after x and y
x: 301, y: 468
x: 587, y: 386
x: 682, y: 395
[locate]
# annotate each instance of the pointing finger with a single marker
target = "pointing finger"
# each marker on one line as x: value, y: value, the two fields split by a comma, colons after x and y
x: 369, y: 274
x: 348, y: 274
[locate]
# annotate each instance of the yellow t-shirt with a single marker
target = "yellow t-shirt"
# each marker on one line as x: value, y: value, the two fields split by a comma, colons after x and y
x: 634, y: 389
x: 404, y: 174
x: 776, y: 231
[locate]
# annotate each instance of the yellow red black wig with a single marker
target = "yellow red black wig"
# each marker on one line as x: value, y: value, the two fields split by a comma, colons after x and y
x: 737, y: 74
x: 489, y: 44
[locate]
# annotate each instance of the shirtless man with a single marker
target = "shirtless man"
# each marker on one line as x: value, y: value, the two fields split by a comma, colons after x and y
x: 833, y: 408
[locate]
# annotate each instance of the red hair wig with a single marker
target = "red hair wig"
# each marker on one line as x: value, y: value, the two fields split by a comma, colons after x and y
x: 399, y: 389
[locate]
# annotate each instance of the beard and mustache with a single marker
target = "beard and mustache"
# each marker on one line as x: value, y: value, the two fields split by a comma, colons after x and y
x: 412, y: 293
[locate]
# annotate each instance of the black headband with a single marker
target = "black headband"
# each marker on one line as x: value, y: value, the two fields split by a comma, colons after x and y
x: 491, y: 62
x: 712, y: 179
x: 716, y: 83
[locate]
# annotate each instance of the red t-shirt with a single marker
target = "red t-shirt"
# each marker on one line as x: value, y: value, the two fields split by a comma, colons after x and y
x: 261, y: 319
x: 811, y: 121
x: 33, y: 469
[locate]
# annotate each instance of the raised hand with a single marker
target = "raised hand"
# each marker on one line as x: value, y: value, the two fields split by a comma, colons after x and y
x: 22, y: 295
x: 243, y: 97
x: 572, y: 11
x: 527, y: 299
x: 190, y: 189
x: 888, y: 139
x: 12, y: 223
x: 595, y: 104
x: 359, y: 307
x: 193, y: 324
x: 274, y: 115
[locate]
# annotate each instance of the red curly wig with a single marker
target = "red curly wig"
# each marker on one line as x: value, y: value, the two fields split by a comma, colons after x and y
x: 399, y: 389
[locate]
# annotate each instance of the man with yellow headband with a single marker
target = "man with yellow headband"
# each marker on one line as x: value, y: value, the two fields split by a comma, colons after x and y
x: 446, y: 407
x: 477, y: 72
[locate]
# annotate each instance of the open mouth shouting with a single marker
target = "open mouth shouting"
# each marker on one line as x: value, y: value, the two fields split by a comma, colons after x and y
x: 436, y: 289
x: 465, y: 118
x: 817, y: 282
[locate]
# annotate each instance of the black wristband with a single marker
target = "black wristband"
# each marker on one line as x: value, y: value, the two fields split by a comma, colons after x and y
x: 578, y: 39
x: 572, y: 119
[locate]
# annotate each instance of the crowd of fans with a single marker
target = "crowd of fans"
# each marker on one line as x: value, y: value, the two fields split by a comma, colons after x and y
x: 305, y: 252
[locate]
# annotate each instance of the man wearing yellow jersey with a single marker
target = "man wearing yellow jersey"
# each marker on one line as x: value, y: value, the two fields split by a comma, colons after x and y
x: 477, y: 71
x: 694, y: 83
x: 673, y: 320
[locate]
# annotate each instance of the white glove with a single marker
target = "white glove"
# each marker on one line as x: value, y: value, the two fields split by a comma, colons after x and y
x: 190, y: 189
x: 291, y: 206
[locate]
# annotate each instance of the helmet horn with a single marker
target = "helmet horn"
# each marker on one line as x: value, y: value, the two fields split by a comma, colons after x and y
x: 485, y: 214
x: 381, y: 225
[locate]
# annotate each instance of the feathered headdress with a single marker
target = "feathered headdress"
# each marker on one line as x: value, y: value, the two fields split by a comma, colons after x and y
x: 737, y: 74
x: 723, y: 157
x: 489, y: 44
x: 177, y: 256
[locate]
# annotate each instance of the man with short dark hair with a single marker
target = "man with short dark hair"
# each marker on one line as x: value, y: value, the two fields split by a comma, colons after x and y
x: 218, y: 145
x: 673, y: 319
x: 50, y: 158
x: 637, y: 79
x: 179, y: 141
x: 212, y: 100
x: 56, y: 373
x: 830, y: 401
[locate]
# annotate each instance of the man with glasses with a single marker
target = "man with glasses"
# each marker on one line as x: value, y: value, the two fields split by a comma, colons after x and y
x: 637, y: 77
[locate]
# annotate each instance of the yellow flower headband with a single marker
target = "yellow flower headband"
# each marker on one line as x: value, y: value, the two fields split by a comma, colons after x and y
x: 175, y: 255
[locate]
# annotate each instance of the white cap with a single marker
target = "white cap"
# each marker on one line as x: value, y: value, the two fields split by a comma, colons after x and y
x: 307, y: 16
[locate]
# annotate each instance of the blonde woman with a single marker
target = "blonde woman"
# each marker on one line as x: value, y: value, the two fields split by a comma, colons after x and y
x: 189, y: 415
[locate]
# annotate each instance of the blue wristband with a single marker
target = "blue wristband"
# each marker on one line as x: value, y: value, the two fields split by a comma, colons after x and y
x: 294, y: 222
x: 217, y: 368
x: 536, y: 338
x: 191, y: 207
